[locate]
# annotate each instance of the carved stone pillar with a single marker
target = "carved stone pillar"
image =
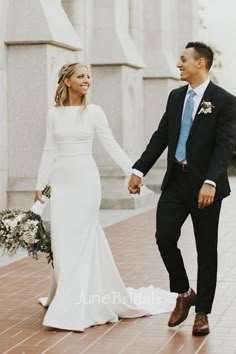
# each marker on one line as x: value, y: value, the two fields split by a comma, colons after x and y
x: 160, y: 74
x: 40, y: 38
x: 3, y: 108
x: 116, y: 64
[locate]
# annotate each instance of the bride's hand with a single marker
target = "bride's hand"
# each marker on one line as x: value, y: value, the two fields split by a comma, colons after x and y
x: 38, y: 196
x: 135, y: 184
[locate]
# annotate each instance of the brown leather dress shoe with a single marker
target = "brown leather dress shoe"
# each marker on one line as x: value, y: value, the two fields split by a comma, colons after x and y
x: 201, y: 326
x: 181, y: 310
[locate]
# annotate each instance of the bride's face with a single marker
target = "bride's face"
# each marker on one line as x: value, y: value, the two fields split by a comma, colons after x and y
x: 79, y: 82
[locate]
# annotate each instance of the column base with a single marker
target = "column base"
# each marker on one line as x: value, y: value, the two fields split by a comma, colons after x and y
x: 127, y: 201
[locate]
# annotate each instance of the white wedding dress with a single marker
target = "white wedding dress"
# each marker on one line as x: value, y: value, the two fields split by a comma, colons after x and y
x: 86, y: 288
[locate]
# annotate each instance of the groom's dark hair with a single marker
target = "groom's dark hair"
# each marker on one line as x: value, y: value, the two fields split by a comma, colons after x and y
x: 202, y: 50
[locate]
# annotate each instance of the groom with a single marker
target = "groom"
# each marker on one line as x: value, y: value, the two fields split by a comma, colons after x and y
x: 199, y: 129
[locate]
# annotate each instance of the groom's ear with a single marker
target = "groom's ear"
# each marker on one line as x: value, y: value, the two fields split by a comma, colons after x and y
x: 201, y: 63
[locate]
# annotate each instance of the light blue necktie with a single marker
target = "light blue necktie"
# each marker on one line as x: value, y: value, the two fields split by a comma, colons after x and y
x: 186, y: 123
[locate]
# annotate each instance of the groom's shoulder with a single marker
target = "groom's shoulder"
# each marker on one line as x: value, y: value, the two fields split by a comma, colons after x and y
x: 222, y: 93
x: 178, y: 91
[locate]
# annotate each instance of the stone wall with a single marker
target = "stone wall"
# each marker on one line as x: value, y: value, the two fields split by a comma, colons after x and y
x: 131, y: 47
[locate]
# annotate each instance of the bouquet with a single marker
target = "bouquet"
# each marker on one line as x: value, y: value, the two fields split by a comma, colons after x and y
x: 25, y: 230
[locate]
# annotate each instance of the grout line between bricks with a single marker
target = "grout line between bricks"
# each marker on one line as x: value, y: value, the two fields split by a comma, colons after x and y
x: 54, y: 344
x: 24, y: 340
x: 98, y: 338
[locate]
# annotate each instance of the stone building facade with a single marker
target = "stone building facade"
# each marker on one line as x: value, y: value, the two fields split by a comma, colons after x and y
x: 131, y: 47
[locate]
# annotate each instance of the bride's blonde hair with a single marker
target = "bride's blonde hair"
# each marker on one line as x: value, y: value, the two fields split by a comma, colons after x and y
x: 65, y: 72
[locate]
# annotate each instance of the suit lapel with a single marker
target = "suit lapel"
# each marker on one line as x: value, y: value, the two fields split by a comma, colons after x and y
x: 206, y: 97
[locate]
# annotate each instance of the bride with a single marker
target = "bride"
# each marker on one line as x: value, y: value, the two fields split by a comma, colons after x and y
x: 86, y: 288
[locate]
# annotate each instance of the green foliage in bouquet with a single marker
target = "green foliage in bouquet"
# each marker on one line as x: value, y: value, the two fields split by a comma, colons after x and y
x: 24, y: 230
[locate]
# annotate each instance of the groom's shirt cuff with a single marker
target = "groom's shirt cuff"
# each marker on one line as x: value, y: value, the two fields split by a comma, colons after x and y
x: 210, y: 182
x: 137, y: 173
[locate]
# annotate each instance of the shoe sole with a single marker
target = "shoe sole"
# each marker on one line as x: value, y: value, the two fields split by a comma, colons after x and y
x: 178, y: 323
x: 199, y: 334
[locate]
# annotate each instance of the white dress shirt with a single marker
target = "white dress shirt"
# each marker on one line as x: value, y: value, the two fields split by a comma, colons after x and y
x: 199, y: 90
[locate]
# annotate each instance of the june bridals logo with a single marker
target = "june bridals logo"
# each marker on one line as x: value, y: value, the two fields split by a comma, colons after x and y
x: 116, y: 298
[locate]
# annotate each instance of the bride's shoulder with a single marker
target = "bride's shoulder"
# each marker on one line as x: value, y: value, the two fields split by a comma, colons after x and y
x: 96, y: 113
x: 94, y: 107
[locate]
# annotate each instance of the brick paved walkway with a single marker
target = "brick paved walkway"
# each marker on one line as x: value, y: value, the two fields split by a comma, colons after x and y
x: 133, y: 246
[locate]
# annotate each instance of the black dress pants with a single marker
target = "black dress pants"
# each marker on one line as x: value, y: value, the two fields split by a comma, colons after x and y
x: 176, y: 202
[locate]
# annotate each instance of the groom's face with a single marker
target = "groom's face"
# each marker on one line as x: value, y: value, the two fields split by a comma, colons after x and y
x: 188, y: 65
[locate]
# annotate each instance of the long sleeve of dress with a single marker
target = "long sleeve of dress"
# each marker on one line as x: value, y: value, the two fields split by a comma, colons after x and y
x: 48, y: 155
x: 105, y: 135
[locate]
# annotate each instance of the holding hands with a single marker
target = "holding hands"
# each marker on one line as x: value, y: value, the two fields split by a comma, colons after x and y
x: 135, y: 184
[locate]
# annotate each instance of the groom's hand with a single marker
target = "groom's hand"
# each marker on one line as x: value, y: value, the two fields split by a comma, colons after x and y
x: 206, y: 195
x: 135, y: 184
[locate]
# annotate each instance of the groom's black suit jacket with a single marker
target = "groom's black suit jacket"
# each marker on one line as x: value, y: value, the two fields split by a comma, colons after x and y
x: 210, y: 143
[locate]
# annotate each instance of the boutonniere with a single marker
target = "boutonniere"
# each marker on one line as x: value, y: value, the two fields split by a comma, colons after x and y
x: 206, y: 107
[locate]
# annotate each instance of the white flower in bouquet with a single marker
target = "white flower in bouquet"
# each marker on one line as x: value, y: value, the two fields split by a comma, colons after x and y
x: 8, y: 224
x: 17, y: 219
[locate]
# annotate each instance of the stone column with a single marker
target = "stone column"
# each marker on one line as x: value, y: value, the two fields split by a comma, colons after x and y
x: 76, y: 11
x: 136, y: 10
x: 160, y: 74
x: 117, y: 79
x: 3, y: 108
x: 188, y: 17
x: 40, y: 39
